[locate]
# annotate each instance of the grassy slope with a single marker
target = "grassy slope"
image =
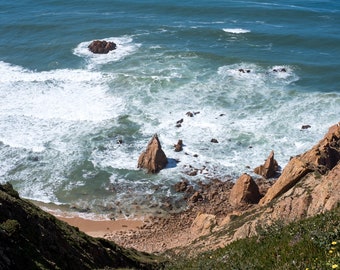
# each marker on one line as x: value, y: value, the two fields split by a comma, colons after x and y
x: 33, y: 239
x: 313, y: 243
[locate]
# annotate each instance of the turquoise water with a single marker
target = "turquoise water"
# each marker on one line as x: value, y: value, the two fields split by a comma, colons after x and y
x: 63, y: 109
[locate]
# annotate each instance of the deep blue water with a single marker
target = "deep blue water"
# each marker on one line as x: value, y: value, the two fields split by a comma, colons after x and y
x: 62, y: 109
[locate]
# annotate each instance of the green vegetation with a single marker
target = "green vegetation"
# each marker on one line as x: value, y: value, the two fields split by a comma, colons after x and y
x: 313, y: 243
x: 33, y: 239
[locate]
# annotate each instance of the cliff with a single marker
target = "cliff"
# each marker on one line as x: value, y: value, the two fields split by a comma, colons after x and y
x: 309, y: 185
x: 33, y: 239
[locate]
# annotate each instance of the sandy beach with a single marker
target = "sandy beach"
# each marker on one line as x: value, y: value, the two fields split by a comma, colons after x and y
x: 101, y: 228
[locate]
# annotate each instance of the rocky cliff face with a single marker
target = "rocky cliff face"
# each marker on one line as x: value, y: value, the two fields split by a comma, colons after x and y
x: 308, y: 185
x: 33, y: 239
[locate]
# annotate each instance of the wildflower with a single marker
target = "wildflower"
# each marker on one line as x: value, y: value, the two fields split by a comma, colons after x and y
x: 330, y: 251
x: 334, y: 266
x: 334, y: 243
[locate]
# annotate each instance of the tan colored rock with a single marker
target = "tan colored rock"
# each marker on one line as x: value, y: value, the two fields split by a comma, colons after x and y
x: 245, y: 190
x: 246, y: 230
x: 230, y: 217
x: 291, y: 174
x: 320, y: 159
x: 153, y: 158
x: 203, y: 224
x: 269, y: 168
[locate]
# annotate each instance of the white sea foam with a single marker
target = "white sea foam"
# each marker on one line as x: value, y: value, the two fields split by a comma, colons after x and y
x: 236, y: 30
x: 249, y: 113
x: 125, y: 47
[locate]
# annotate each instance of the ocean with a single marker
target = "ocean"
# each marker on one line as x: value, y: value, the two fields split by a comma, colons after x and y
x: 73, y: 124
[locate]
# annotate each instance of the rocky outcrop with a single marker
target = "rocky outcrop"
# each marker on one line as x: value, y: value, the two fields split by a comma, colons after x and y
x: 102, y: 46
x: 33, y: 239
x: 269, y: 168
x: 309, y: 185
x: 320, y: 160
x: 153, y: 159
x: 203, y: 224
x: 245, y: 190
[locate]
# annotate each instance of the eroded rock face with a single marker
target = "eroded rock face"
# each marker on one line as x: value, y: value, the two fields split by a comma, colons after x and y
x: 153, y: 159
x: 203, y: 224
x: 321, y: 159
x: 269, y: 168
x: 102, y: 46
x: 245, y: 190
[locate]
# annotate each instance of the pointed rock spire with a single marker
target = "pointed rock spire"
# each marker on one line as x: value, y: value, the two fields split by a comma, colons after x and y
x: 269, y: 168
x: 153, y: 158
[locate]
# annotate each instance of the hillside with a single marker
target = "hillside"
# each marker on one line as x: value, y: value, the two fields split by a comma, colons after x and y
x: 33, y: 239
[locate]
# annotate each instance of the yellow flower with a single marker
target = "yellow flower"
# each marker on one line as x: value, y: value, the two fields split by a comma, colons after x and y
x: 330, y: 252
x: 334, y: 243
x: 334, y: 266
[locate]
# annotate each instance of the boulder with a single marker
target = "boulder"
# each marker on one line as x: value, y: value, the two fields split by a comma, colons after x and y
x: 269, y: 168
x: 203, y: 224
x: 179, y: 146
x: 153, y: 158
x: 321, y: 159
x: 102, y: 46
x: 244, y: 191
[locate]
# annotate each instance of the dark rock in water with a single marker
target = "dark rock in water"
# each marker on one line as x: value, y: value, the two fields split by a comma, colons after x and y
x: 33, y: 239
x: 190, y: 114
x: 102, y: 46
x: 305, y: 127
x: 244, y: 71
x: 179, y: 146
x: 214, y: 141
x: 280, y: 70
x: 153, y: 158
x: 179, y: 123
x: 269, y: 168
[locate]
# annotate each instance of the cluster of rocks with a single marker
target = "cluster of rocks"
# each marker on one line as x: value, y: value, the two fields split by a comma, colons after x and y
x: 248, y: 203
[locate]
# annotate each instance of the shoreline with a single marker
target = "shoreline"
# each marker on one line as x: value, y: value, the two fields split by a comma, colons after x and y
x: 102, y: 228
x: 97, y: 226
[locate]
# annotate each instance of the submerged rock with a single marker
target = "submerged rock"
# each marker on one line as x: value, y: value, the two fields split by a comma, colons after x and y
x: 153, y: 159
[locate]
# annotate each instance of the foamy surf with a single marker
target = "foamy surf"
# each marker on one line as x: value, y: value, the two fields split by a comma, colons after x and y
x: 236, y: 30
x: 125, y: 47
